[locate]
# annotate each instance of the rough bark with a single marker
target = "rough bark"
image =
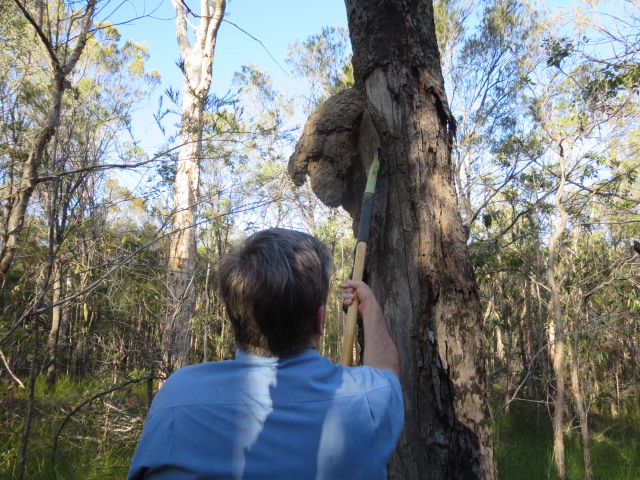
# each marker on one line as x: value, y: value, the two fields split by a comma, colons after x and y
x: 418, y: 262
x: 197, y: 60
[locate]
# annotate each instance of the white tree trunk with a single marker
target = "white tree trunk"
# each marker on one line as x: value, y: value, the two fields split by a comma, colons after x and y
x: 196, y: 63
x: 56, y: 325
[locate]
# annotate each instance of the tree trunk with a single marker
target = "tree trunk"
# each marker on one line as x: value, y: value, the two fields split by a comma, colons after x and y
x: 18, y: 203
x: 182, y: 253
x: 556, y: 327
x: 578, y: 397
x: 418, y: 260
x: 56, y: 324
x: 31, y: 402
x: 419, y: 264
x: 578, y: 400
x: 531, y: 367
x: 197, y: 61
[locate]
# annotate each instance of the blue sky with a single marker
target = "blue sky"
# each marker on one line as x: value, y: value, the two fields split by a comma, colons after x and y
x: 276, y: 23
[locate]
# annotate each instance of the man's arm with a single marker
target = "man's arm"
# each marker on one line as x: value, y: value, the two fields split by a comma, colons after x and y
x: 380, y: 350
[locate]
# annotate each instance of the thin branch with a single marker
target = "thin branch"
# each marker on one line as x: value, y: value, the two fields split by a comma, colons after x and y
x: 6, y: 364
x: 43, y: 37
x: 257, y: 40
x: 56, y: 439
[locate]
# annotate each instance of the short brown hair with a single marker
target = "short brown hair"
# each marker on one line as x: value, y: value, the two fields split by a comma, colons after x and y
x: 272, y: 286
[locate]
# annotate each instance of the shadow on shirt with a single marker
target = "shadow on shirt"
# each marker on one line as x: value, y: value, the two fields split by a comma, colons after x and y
x: 313, y: 423
x: 294, y: 418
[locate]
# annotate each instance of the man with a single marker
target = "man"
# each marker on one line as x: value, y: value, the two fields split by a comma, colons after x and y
x: 280, y: 410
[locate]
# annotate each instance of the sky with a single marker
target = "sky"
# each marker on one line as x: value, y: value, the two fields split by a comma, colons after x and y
x: 275, y: 23
x: 254, y: 31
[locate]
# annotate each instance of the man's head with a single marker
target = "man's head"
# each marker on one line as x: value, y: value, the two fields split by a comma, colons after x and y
x: 273, y: 287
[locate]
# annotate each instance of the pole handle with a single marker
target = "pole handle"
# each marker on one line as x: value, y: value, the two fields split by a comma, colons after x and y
x: 346, y: 357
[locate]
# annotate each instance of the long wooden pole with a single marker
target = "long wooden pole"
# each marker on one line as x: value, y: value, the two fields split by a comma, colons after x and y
x: 369, y: 147
x: 348, y: 340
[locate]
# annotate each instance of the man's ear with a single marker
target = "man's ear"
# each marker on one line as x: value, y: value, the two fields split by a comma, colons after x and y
x: 321, y: 314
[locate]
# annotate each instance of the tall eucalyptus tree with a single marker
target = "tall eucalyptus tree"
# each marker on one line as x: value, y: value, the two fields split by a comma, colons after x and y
x: 196, y: 59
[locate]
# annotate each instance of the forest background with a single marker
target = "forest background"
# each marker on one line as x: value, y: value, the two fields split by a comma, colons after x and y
x: 545, y: 163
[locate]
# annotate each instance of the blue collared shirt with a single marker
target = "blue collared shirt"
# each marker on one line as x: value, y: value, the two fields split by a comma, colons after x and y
x: 300, y: 417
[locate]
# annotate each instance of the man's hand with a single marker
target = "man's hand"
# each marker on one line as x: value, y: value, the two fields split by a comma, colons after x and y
x: 380, y: 350
x: 366, y: 298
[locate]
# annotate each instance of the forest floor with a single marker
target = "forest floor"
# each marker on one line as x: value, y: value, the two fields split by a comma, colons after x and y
x: 77, y: 434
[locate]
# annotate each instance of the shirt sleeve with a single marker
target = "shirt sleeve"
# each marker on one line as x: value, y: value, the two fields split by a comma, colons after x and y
x: 386, y: 406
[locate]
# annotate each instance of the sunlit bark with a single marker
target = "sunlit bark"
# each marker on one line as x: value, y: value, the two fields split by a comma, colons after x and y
x: 197, y: 59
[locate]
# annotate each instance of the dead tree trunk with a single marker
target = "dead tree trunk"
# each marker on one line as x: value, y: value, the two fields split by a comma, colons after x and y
x: 419, y: 263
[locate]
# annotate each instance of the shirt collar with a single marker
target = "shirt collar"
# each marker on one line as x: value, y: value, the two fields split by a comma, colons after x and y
x: 251, y: 359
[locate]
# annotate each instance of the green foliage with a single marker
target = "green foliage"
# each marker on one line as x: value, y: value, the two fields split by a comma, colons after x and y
x: 557, y: 50
x: 269, y: 108
x: 612, y: 79
x: 97, y: 441
x: 449, y: 22
x: 484, y: 252
x: 523, y: 446
x: 322, y: 62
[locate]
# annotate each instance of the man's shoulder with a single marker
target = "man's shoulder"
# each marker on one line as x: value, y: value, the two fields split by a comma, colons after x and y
x: 383, y: 397
x: 200, y: 371
x: 198, y: 368
x: 187, y: 383
x: 343, y: 381
x: 365, y: 381
x: 372, y: 377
